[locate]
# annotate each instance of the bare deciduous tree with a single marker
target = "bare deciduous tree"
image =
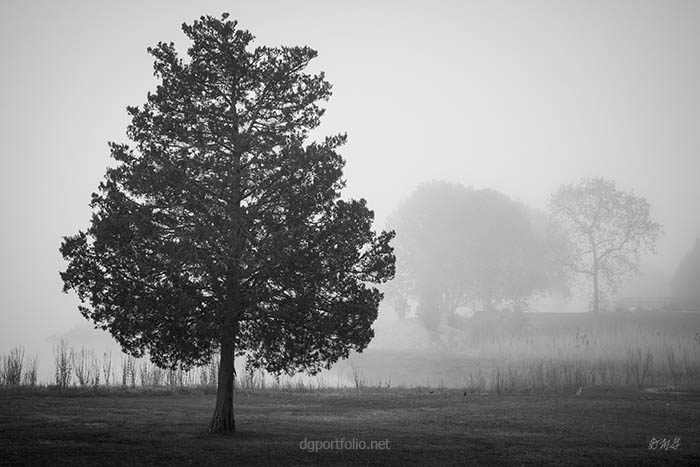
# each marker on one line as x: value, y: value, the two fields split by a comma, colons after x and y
x: 608, y: 230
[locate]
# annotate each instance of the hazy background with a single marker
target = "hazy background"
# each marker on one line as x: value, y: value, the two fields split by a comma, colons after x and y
x: 515, y: 96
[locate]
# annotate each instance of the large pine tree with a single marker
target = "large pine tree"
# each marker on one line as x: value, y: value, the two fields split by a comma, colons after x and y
x: 221, y: 229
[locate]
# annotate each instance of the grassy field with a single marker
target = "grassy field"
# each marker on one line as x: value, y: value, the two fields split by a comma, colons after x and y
x: 500, y: 391
x: 102, y: 427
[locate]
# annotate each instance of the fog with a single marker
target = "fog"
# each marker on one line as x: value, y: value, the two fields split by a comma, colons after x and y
x: 518, y: 97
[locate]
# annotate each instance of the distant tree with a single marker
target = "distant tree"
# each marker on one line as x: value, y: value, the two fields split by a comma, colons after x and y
x: 459, y: 247
x: 608, y: 230
x: 430, y: 271
x: 219, y: 230
x: 686, y: 281
x: 511, y: 257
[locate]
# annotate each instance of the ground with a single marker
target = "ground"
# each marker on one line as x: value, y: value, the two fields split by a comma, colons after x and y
x: 44, y: 427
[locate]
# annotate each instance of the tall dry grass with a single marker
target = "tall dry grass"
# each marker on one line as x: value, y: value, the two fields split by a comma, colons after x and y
x: 536, y: 353
x: 565, y: 353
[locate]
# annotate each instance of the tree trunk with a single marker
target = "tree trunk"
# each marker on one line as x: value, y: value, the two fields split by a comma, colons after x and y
x: 596, y: 293
x: 222, y: 420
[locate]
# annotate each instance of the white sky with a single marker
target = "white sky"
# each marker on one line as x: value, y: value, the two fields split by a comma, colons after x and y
x: 511, y: 95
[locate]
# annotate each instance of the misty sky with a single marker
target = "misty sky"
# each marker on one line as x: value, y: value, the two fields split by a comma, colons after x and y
x: 518, y: 96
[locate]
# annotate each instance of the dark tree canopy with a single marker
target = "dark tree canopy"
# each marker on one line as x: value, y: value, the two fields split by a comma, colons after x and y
x: 220, y: 229
x: 459, y: 247
x: 608, y: 231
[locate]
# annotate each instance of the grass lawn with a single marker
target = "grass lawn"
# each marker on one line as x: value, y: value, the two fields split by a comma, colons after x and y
x: 42, y: 427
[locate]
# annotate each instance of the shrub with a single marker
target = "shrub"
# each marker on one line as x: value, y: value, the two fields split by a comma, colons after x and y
x: 63, y: 357
x: 30, y: 374
x: 11, y: 367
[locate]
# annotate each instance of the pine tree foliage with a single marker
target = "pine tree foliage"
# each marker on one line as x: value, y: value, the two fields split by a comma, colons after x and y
x: 220, y: 223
